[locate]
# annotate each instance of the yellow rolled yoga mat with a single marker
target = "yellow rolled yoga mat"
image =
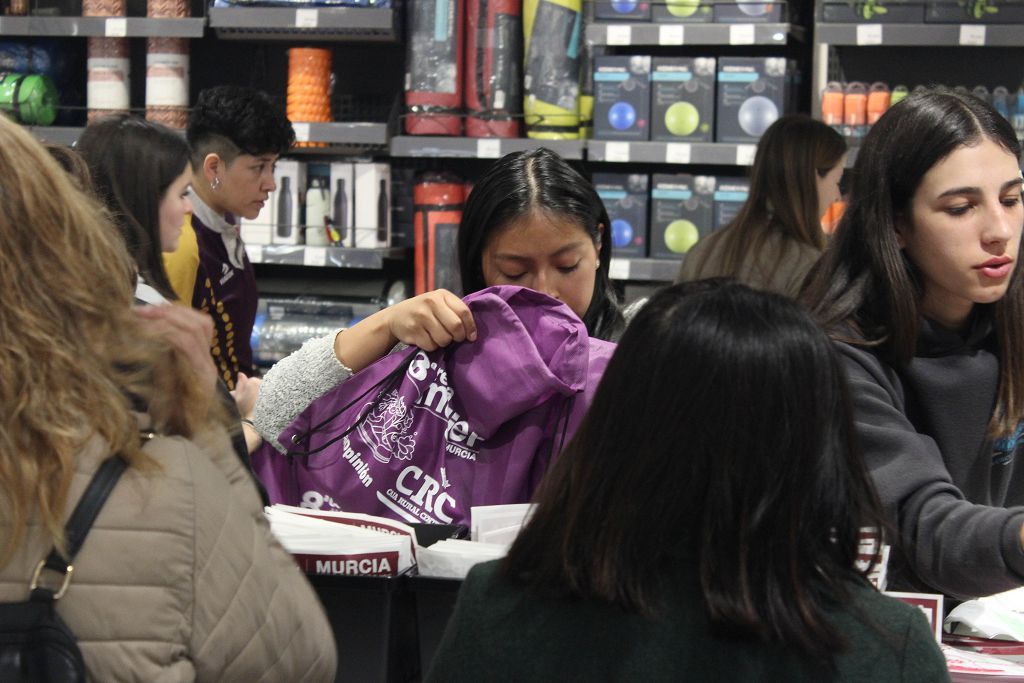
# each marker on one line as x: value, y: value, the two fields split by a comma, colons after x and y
x: 553, y: 40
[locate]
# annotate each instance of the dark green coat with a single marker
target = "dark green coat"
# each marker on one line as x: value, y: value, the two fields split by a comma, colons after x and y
x: 501, y: 632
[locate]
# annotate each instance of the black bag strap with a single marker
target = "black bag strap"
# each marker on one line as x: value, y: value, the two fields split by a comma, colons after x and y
x: 78, y: 527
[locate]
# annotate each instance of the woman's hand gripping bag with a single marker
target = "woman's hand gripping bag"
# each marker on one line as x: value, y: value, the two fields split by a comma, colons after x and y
x: 423, y: 436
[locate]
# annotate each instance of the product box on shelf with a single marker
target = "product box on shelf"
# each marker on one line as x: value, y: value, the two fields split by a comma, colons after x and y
x: 681, y: 213
x: 623, y: 10
x: 682, y: 11
x: 746, y: 12
x: 343, y: 203
x: 730, y: 195
x: 873, y: 11
x: 974, y: 12
x: 622, y: 97
x: 625, y: 197
x: 752, y: 93
x: 373, y: 205
x: 290, y: 177
x: 683, y: 99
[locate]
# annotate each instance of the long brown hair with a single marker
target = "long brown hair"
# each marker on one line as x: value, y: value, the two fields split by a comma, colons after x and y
x: 791, y: 156
x: 73, y: 356
x: 865, y: 283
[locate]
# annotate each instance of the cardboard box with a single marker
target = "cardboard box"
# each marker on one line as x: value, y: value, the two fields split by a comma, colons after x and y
x: 730, y: 195
x: 372, y: 205
x: 747, y: 12
x: 873, y: 12
x: 625, y: 197
x: 974, y: 12
x: 683, y: 99
x: 622, y: 99
x: 343, y: 202
x: 622, y: 10
x: 752, y: 93
x: 290, y: 177
x: 681, y: 213
x: 682, y: 11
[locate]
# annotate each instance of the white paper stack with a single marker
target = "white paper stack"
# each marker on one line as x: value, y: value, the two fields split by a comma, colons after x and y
x: 998, y: 617
x: 327, y: 542
x: 453, y: 558
x: 498, y: 524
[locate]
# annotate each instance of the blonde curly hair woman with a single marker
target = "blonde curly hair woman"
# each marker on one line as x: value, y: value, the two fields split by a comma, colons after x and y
x: 180, y: 578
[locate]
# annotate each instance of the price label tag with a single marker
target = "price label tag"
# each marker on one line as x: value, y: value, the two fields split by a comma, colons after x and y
x: 619, y: 34
x: 115, y: 27
x: 315, y: 256
x: 307, y: 18
x: 254, y: 252
x: 618, y: 269
x: 745, y: 155
x: 616, y: 151
x: 869, y: 34
x: 677, y: 153
x: 670, y: 34
x: 488, y: 148
x: 972, y: 34
x: 301, y: 132
x: 741, y: 34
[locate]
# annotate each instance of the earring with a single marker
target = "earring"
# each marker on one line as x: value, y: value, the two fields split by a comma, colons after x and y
x: 216, y: 183
x: 597, y: 264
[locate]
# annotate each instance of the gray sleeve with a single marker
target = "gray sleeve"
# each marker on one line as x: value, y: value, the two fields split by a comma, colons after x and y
x: 960, y: 548
x: 294, y: 382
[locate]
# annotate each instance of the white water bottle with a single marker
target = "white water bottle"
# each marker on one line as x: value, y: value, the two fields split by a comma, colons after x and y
x: 318, y: 213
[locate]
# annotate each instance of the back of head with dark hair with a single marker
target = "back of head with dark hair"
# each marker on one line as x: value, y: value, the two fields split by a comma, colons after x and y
x: 864, y: 280
x: 722, y: 430
x: 72, y: 163
x: 230, y: 120
x: 538, y: 180
x: 792, y: 155
x: 132, y: 163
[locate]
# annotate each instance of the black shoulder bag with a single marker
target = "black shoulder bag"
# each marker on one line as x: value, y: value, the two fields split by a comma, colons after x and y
x: 35, y: 643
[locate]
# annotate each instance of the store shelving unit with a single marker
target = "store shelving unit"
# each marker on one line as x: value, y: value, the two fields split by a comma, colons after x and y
x: 478, y: 148
x: 617, y: 34
x: 102, y: 27
x: 643, y: 269
x: 323, y: 257
x: 305, y: 24
x: 719, y: 153
x: 836, y: 43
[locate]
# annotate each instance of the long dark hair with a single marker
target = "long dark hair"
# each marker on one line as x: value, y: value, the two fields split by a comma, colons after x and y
x: 722, y: 429
x: 791, y: 156
x: 538, y: 180
x: 132, y: 163
x: 865, y: 282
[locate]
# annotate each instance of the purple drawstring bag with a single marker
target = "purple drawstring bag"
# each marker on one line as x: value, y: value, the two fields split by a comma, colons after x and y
x: 423, y: 436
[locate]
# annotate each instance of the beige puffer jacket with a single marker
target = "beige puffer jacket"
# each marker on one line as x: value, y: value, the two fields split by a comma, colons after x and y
x: 180, y: 578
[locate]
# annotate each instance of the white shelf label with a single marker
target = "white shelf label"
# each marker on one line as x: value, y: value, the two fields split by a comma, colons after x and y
x: 616, y: 151
x: 115, y: 27
x: 677, y: 153
x: 619, y: 34
x: 741, y: 34
x: 745, y: 154
x: 618, y: 269
x: 869, y: 34
x: 301, y: 132
x: 670, y: 34
x: 254, y: 252
x: 488, y: 148
x: 307, y: 18
x: 314, y: 256
x: 972, y: 34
